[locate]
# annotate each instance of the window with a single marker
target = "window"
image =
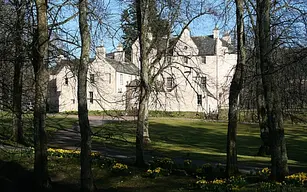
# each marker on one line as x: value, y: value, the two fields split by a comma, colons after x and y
x: 186, y: 59
x: 199, y: 99
x: 203, y: 59
x: 91, y: 97
x: 203, y: 82
x: 121, y: 79
x: 92, y: 78
x: 185, y: 47
x: 73, y: 101
x: 169, y: 83
x: 108, y: 77
x: 66, y: 81
x: 120, y: 90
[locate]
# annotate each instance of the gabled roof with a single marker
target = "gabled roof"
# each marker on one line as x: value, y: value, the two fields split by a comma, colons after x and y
x: 71, y: 64
x: 205, y: 45
x: 123, y: 67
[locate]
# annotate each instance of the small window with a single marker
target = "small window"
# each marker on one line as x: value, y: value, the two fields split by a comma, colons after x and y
x: 92, y: 78
x: 91, y: 97
x: 169, y: 83
x: 73, y: 101
x: 66, y: 80
x: 121, y: 79
x: 203, y: 60
x: 185, y: 47
x: 186, y: 60
x: 120, y: 90
x: 203, y: 82
x: 199, y: 99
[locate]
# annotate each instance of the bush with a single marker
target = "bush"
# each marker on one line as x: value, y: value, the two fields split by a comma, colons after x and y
x: 215, y: 185
x: 119, y: 168
x: 153, y: 173
x: 297, y: 179
x: 165, y: 163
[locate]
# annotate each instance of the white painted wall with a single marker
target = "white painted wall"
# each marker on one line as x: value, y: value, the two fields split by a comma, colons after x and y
x: 110, y: 95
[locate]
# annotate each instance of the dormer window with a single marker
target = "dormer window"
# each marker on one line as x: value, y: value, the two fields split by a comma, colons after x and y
x: 203, y: 82
x: 91, y: 97
x: 66, y: 80
x: 92, y: 78
x: 186, y: 60
x: 199, y: 99
x: 169, y: 83
x: 203, y: 59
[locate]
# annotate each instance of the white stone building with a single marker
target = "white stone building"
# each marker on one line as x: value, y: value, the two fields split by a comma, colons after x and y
x: 198, y: 74
x: 197, y: 77
x: 107, y: 80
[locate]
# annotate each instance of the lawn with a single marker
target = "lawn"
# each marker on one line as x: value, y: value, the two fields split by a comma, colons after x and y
x: 176, y: 138
x: 203, y: 141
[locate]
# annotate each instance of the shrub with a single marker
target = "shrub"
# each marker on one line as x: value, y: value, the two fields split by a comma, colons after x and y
x: 264, y: 174
x: 119, y: 168
x: 153, y: 173
x: 235, y: 183
x: 296, y: 179
x: 165, y: 163
x: 215, y: 185
x: 270, y: 186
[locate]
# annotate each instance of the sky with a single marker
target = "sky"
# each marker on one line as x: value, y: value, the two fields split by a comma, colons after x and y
x: 199, y: 27
x: 111, y: 35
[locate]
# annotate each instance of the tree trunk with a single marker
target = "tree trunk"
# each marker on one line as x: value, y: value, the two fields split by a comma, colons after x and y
x: 40, y: 58
x: 142, y: 135
x: 278, y: 150
x: 235, y: 89
x: 261, y: 110
x: 17, y: 82
x: 85, y: 130
x: 262, y: 121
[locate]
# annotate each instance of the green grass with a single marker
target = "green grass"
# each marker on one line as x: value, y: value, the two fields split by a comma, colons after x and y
x: 196, y: 139
x: 53, y: 123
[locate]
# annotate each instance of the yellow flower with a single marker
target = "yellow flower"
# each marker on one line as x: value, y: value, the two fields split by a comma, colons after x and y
x: 157, y: 170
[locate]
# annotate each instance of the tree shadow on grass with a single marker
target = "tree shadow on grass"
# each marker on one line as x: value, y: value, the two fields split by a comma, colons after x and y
x: 199, y: 140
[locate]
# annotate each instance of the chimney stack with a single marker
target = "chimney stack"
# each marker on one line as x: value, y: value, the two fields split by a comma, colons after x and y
x: 119, y: 54
x: 100, y: 51
x: 216, y: 33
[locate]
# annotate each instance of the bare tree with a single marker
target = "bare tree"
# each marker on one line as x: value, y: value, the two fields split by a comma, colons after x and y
x: 40, y: 65
x: 86, y: 141
x: 274, y: 113
x: 142, y: 9
x: 235, y: 89
x: 18, y: 65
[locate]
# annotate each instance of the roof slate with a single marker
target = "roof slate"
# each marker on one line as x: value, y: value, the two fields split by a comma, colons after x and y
x: 205, y: 45
x: 123, y: 67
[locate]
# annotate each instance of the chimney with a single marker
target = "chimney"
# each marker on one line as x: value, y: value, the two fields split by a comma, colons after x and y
x: 215, y: 33
x: 60, y: 58
x: 119, y: 54
x: 100, y: 51
x: 226, y: 37
x: 186, y: 32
